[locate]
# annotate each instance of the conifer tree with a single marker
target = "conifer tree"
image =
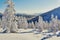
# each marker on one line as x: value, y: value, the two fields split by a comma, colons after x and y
x: 8, y: 16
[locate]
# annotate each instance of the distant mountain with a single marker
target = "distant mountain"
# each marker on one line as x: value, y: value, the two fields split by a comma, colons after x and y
x: 18, y: 14
x: 29, y: 17
x: 24, y: 15
x: 47, y: 16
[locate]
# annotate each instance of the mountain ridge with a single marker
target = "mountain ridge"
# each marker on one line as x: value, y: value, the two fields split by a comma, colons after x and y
x: 47, y: 15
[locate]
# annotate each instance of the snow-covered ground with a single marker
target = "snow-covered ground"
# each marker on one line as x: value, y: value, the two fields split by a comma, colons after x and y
x: 24, y: 36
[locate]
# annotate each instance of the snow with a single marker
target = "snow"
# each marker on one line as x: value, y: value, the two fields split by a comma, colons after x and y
x: 26, y: 36
x: 1, y: 29
x: 57, y: 32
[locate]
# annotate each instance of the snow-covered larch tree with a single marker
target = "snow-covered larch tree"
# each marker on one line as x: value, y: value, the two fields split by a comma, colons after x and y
x: 8, y: 16
x: 40, y: 24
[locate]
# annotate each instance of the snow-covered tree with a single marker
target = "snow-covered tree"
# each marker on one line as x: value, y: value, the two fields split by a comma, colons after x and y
x: 14, y: 27
x: 55, y: 24
x: 22, y: 22
x: 40, y: 23
x: 36, y: 24
x: 45, y: 25
x: 8, y: 16
x: 58, y: 24
x: 25, y: 23
x: 0, y: 23
x: 29, y: 25
x: 33, y: 26
x: 19, y: 22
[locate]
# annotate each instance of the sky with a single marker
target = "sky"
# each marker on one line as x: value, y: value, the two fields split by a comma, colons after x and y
x: 31, y: 6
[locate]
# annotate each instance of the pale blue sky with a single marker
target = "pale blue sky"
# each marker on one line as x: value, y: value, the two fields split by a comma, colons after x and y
x: 32, y: 6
